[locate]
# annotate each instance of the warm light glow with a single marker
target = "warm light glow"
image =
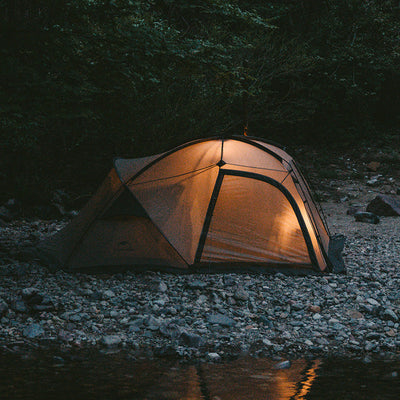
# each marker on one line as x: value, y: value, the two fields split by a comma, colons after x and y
x: 311, y: 374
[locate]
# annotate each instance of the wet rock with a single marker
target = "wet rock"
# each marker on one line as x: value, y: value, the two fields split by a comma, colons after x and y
x: 385, y: 205
x: 367, y: 217
x: 390, y: 315
x: 283, y: 365
x: 214, y: 357
x: 220, y: 319
x: 170, y: 330
x: 353, y: 209
x: 190, y: 339
x: 33, y: 331
x: 111, y: 340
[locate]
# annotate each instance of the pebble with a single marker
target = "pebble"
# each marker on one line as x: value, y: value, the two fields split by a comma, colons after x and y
x: 213, y: 357
x: 111, y: 340
x: 33, y: 331
x: 220, y: 320
x: 283, y: 365
x: 216, y: 315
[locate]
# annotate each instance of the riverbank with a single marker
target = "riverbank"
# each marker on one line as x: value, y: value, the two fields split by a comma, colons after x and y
x: 212, y: 317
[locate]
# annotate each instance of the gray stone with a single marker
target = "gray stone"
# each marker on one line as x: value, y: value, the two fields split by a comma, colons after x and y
x: 75, y: 318
x: 33, y: 331
x: 170, y: 330
x: 283, y: 365
x: 373, y: 336
x: 368, y: 217
x: 153, y: 323
x: 111, y: 340
x: 373, y: 302
x: 213, y: 357
x: 267, y: 343
x: 19, y: 306
x: 108, y: 294
x: 162, y: 287
x: 241, y: 294
x: 136, y: 324
x: 220, y: 319
x: 390, y: 315
x: 317, y: 316
x: 197, y: 284
x: 369, y: 346
x: 191, y: 339
x: 385, y: 205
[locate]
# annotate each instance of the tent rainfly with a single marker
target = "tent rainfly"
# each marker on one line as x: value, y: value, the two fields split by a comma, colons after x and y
x: 210, y: 205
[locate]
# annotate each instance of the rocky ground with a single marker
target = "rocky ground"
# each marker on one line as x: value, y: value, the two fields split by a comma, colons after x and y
x: 215, y: 316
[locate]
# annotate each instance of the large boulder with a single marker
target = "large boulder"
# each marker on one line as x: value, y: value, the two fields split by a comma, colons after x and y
x: 385, y: 205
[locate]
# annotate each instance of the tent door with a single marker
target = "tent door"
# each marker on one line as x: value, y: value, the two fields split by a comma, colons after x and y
x: 253, y: 218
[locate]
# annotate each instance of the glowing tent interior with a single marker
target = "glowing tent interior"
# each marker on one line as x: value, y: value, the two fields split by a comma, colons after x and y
x: 209, y: 204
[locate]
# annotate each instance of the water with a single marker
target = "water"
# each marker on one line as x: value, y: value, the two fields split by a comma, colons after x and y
x: 98, y: 376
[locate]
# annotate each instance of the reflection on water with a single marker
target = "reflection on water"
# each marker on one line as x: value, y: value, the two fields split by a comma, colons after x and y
x: 99, y: 376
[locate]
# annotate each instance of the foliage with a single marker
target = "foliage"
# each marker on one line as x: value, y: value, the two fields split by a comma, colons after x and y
x: 84, y: 81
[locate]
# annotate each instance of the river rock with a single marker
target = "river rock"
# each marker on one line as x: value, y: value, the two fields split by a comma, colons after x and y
x: 385, y: 205
x: 32, y: 331
x: 170, y: 330
x: 162, y: 287
x: 31, y: 295
x: 190, y: 339
x: 111, y: 340
x: 220, y: 319
x: 241, y: 294
x: 108, y: 294
x: 153, y: 323
x: 283, y: 365
x: 213, y: 357
x: 390, y: 315
x: 368, y: 217
x: 196, y: 284
x: 19, y: 306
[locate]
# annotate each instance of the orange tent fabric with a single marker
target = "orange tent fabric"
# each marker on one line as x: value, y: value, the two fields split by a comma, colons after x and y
x: 208, y: 204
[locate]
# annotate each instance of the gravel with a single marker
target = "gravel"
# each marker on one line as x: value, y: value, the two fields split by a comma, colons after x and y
x: 211, y: 316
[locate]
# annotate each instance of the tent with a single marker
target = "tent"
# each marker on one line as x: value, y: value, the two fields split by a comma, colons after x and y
x: 210, y: 204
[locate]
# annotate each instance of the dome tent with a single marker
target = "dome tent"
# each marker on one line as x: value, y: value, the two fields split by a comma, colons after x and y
x: 209, y: 204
